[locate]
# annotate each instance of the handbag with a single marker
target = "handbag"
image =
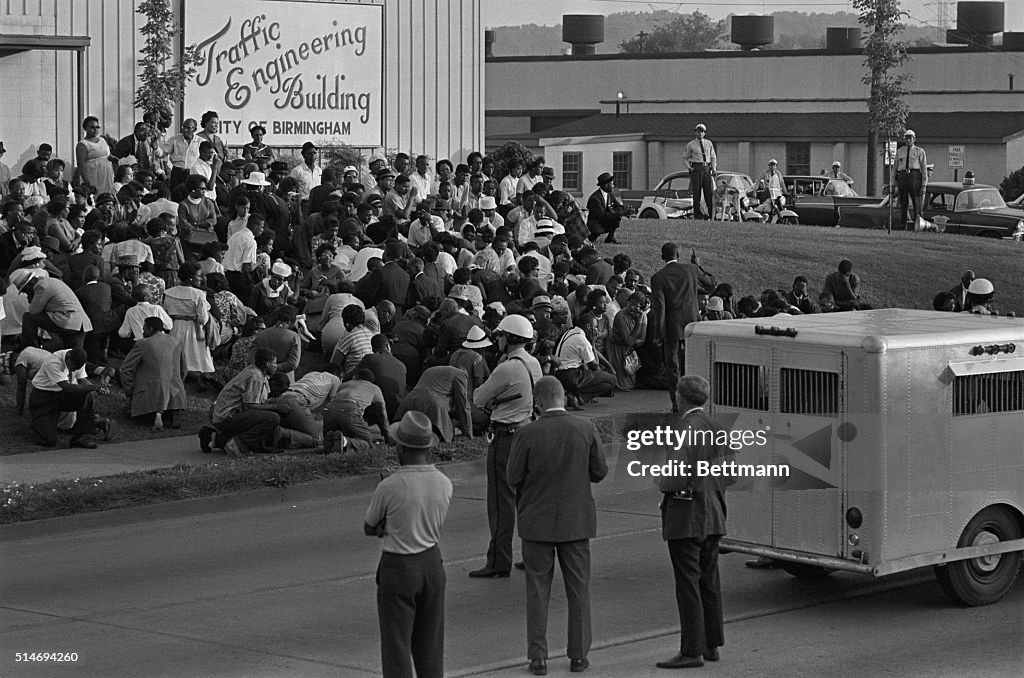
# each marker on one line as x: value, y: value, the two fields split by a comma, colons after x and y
x: 632, y: 363
x: 200, y: 236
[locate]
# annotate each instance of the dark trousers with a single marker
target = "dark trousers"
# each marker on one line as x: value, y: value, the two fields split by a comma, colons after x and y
x: 345, y: 417
x: 45, y: 408
x: 698, y: 594
x: 586, y: 384
x: 298, y: 425
x: 241, y: 284
x: 31, y: 323
x: 410, y: 608
x: 95, y: 344
x: 702, y: 183
x: 909, y: 185
x: 574, y: 560
x: 675, y: 362
x: 501, y: 502
x: 254, y: 430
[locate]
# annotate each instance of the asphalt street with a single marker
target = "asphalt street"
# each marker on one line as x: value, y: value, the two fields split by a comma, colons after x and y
x: 287, y: 589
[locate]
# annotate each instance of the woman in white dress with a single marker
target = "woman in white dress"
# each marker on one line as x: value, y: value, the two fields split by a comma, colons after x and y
x: 193, y: 325
x: 92, y: 158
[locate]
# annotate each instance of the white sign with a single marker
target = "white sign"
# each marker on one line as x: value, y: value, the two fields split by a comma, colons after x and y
x: 890, y: 153
x: 307, y: 71
x: 956, y: 156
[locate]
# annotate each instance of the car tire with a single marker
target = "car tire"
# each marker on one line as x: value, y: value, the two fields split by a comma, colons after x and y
x: 790, y: 221
x: 650, y: 214
x: 983, y: 581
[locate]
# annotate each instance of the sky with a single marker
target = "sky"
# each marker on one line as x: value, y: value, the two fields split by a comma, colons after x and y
x: 549, y: 12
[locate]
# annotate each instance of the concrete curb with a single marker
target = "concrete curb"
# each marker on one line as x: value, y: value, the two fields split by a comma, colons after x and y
x: 236, y: 501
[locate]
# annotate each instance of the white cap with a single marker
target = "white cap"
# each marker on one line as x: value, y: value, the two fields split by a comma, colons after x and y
x: 836, y: 163
x: 487, y: 203
x: 909, y: 133
x: 700, y: 126
x: 350, y: 168
x: 282, y: 269
x: 980, y: 286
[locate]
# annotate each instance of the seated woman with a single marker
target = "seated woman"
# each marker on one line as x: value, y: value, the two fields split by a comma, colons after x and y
x: 628, y: 333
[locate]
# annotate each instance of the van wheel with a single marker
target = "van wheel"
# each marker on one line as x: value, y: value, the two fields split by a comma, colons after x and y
x: 982, y: 581
x: 805, y: 571
x: 650, y: 214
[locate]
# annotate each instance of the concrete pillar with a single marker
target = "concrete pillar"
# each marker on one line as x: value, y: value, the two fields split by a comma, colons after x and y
x: 655, y: 165
x: 745, y: 157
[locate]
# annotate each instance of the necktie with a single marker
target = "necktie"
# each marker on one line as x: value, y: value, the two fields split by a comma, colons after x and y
x: 908, y: 157
x: 703, y: 153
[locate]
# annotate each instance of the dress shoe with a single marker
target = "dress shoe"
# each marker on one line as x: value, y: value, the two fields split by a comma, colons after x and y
x: 82, y: 443
x: 539, y: 667
x: 681, y: 661
x: 489, y: 573
x: 520, y: 565
x: 205, y: 438
x: 762, y: 563
x: 579, y: 665
x: 712, y: 654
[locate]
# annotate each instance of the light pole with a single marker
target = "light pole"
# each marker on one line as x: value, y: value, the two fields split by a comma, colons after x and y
x: 619, y: 96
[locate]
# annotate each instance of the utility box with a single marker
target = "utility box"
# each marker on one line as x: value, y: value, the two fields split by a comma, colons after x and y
x: 903, y: 434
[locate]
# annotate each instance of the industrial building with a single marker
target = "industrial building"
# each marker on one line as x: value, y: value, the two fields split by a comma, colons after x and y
x: 633, y: 114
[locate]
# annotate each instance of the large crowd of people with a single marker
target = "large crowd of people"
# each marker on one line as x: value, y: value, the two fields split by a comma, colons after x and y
x: 403, y: 283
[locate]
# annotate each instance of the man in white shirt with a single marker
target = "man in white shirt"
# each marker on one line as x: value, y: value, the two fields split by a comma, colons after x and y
x: 422, y: 179
x: 426, y: 226
x: 207, y: 165
x: 137, y: 314
x: 183, y: 151
x: 507, y: 187
x: 59, y: 386
x: 578, y: 368
x: 307, y: 173
x: 240, y: 259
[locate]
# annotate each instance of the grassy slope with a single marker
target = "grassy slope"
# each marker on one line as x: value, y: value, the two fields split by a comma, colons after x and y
x: 902, y: 269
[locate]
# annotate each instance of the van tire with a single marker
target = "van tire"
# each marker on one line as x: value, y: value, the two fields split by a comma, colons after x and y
x: 983, y: 581
x: 805, y: 571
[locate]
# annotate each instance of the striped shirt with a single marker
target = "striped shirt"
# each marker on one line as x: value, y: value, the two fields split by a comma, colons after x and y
x: 352, y: 348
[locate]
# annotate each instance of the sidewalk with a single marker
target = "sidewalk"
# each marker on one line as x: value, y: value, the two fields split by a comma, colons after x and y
x: 113, y: 457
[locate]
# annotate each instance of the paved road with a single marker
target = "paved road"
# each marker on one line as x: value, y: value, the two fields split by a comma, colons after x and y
x: 287, y: 590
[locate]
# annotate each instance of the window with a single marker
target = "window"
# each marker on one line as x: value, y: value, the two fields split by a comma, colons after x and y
x: 798, y: 157
x: 622, y: 169
x: 988, y: 393
x: 742, y: 386
x: 808, y: 392
x: 571, y: 168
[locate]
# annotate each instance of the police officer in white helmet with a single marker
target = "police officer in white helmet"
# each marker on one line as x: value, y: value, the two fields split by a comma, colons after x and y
x: 508, y: 396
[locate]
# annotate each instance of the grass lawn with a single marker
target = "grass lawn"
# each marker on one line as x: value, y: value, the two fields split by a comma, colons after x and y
x: 897, y: 270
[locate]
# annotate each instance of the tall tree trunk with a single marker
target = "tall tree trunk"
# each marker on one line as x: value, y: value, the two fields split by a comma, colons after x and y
x: 871, y: 183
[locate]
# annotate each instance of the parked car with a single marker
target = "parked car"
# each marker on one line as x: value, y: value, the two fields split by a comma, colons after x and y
x: 969, y: 209
x: 670, y: 199
x: 818, y: 200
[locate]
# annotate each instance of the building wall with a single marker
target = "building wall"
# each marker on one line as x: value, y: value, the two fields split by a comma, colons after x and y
x: 597, y: 158
x: 434, y: 74
x: 736, y: 82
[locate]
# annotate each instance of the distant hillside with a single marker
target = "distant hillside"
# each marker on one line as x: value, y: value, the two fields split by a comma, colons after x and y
x: 793, y: 30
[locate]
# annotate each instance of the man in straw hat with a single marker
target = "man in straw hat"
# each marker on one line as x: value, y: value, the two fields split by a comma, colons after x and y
x: 407, y: 511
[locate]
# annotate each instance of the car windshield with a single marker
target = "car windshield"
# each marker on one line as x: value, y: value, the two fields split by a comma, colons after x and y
x: 979, y: 199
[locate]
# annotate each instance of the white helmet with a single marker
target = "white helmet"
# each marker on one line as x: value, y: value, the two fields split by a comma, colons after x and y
x: 517, y: 325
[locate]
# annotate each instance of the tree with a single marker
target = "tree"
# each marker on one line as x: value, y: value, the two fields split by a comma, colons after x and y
x: 1012, y: 186
x: 887, y: 109
x: 685, y: 33
x: 510, y: 150
x: 162, y: 83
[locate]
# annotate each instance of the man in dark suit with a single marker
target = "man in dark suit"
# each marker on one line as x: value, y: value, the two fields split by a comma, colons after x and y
x: 95, y: 298
x: 960, y: 291
x: 551, y: 465
x: 604, y: 211
x: 136, y: 144
x: 390, y: 281
x: 693, y: 522
x: 673, y: 307
x: 389, y: 373
x: 328, y: 184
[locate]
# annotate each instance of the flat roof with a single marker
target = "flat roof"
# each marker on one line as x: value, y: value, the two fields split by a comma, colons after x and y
x: 19, y: 42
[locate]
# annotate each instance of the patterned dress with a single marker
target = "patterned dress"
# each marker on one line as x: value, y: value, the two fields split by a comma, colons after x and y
x: 190, y: 312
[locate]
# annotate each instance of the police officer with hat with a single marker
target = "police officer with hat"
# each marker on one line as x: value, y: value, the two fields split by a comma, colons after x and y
x: 508, y: 395
x: 911, y: 164
x: 700, y: 157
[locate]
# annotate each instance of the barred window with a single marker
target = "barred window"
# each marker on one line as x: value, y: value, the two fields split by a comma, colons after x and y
x: 622, y: 169
x: 988, y: 393
x: 742, y: 386
x: 808, y: 392
x: 798, y: 157
x: 571, y: 169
